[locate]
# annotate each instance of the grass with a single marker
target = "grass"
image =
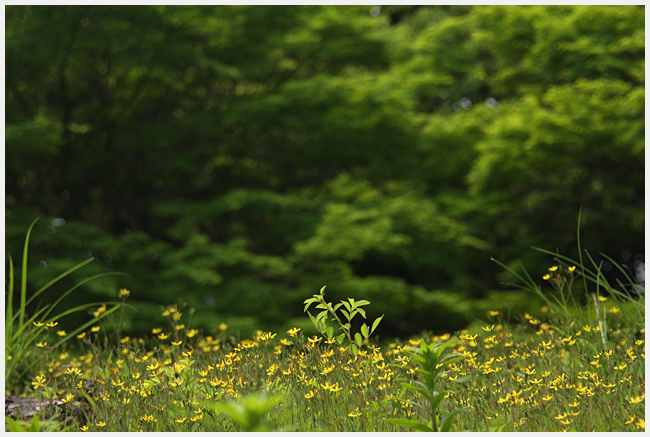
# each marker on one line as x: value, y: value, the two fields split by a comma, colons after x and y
x: 522, y: 378
x: 577, y: 368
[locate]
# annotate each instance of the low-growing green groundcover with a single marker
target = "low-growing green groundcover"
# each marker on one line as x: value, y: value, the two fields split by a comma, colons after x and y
x: 527, y: 377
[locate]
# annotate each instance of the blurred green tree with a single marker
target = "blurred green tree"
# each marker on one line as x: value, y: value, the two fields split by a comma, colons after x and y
x: 241, y: 157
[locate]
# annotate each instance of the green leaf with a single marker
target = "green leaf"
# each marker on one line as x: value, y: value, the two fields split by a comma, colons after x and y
x: 150, y: 383
x: 340, y: 339
x: 362, y: 302
x: 411, y: 424
x: 308, y: 303
x: 313, y: 320
x: 322, y: 315
x: 462, y: 379
x: 423, y: 392
x: 376, y: 323
x: 357, y: 339
x: 446, y: 422
x: 362, y: 312
x: 364, y: 331
x: 330, y: 332
x: 438, y: 398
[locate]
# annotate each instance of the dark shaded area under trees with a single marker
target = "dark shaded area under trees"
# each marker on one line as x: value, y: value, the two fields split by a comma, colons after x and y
x: 241, y: 157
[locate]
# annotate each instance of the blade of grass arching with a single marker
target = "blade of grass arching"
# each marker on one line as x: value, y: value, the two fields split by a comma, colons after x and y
x: 582, y: 265
x: 23, y: 277
x: 585, y: 271
x: 29, y: 339
x: 58, y: 278
x: 26, y: 369
x: 631, y: 282
x: 10, y: 307
x: 87, y: 324
x: 532, y: 288
x: 79, y: 284
x: 600, y: 278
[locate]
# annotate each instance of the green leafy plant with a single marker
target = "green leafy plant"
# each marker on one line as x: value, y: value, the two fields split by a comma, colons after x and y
x: 250, y: 412
x: 432, y: 365
x: 36, y: 425
x: 350, y: 309
x: 21, y: 331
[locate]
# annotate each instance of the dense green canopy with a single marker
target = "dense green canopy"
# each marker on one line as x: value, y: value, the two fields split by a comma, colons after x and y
x: 241, y: 157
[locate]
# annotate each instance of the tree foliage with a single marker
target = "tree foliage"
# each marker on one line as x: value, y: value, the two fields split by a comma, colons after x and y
x: 240, y: 157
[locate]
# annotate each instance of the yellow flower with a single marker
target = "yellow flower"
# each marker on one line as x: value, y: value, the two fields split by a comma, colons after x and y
x: 293, y: 331
x: 552, y: 269
x: 38, y: 324
x: 309, y: 395
x: 155, y: 331
x: 572, y: 268
x: 327, y: 370
x: 84, y: 428
x: 314, y: 339
x: 95, y: 329
x: 487, y: 328
x: 72, y: 371
x: 40, y: 381
x: 124, y: 293
x: 602, y: 298
x: 614, y: 310
x: 100, y: 310
x: 179, y: 327
x: 637, y: 399
x: 163, y: 336
x: 529, y: 371
x: 546, y: 277
x: 101, y: 424
x: 41, y: 344
x: 181, y: 420
x: 52, y: 324
x: 177, y: 343
x: 493, y: 313
x: 223, y: 326
x: 192, y: 332
x: 640, y: 424
x: 330, y: 387
x: 82, y: 335
x: 61, y: 333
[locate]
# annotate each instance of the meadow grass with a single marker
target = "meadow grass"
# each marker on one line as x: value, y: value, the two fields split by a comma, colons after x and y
x: 523, y: 377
